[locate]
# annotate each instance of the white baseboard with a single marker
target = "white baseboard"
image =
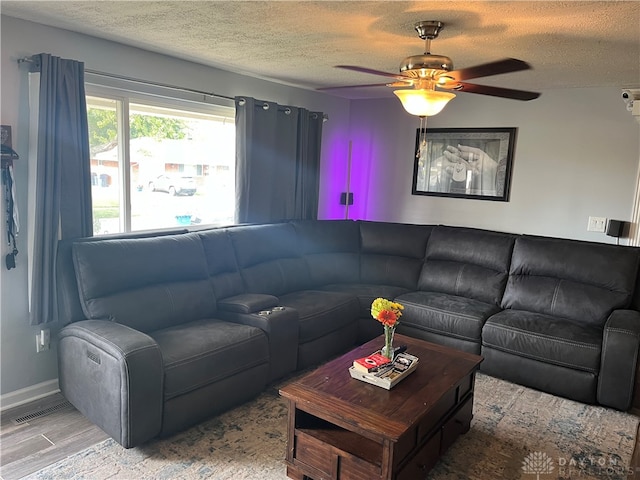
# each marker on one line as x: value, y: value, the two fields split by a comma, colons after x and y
x: 28, y: 394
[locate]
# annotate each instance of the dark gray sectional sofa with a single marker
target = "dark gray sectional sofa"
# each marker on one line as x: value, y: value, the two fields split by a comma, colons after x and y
x: 168, y: 329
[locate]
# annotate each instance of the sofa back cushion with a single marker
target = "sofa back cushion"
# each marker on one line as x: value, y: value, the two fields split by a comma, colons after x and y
x: 144, y: 283
x: 330, y: 248
x: 224, y: 273
x: 69, y: 307
x: 392, y: 253
x: 269, y: 258
x: 635, y: 301
x: 468, y: 263
x: 577, y: 280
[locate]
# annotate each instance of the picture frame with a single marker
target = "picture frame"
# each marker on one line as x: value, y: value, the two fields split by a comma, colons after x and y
x: 473, y: 163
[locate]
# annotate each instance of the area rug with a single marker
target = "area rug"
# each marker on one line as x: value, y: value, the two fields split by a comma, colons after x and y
x: 516, y: 433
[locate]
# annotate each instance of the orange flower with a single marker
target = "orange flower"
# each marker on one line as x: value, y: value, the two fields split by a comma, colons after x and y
x: 387, y: 318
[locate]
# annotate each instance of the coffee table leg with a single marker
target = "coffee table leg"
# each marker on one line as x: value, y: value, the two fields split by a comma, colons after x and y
x: 293, y: 473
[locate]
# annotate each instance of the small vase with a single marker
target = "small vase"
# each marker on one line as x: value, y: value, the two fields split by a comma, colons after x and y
x: 387, y: 350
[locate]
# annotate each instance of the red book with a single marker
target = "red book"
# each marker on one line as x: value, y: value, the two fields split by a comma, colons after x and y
x: 370, y: 363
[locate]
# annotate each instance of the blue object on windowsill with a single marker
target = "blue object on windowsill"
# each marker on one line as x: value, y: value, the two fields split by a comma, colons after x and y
x: 183, y: 219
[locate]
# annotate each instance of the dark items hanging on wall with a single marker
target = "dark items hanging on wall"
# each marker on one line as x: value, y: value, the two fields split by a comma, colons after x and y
x: 8, y: 155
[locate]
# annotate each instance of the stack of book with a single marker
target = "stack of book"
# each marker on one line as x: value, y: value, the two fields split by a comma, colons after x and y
x: 370, y: 363
x: 379, y: 370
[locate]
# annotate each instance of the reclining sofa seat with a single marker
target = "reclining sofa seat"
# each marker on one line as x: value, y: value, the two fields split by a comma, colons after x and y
x: 388, y: 264
x: 235, y: 305
x: 460, y: 286
x: 152, y: 354
x: 270, y: 261
x: 566, y: 327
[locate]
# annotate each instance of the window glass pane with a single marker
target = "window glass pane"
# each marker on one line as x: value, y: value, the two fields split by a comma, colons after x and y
x: 105, y: 164
x: 178, y: 168
x: 181, y: 167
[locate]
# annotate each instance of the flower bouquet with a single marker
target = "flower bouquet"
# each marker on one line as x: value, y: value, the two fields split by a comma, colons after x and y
x: 387, y: 313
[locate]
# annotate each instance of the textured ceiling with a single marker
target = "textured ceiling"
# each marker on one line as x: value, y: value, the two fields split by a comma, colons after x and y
x: 568, y: 43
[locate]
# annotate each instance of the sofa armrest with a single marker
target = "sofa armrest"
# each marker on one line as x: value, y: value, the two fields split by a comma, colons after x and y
x: 247, y: 303
x: 281, y: 328
x: 621, y: 338
x: 113, y: 374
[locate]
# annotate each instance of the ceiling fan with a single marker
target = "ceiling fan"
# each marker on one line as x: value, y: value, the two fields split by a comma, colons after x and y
x: 424, y: 73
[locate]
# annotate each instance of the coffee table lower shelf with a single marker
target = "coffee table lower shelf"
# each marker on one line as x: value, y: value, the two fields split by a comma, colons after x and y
x: 322, y: 450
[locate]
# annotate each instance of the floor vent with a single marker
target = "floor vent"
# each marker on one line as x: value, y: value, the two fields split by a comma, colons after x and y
x: 41, y: 412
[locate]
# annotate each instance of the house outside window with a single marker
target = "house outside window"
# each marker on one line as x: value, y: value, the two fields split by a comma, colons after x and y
x: 159, y: 163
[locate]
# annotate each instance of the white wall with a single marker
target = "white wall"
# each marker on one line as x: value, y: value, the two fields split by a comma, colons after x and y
x: 21, y: 366
x: 576, y: 156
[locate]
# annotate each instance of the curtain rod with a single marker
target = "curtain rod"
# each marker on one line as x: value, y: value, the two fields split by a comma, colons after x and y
x: 137, y: 80
x: 147, y: 82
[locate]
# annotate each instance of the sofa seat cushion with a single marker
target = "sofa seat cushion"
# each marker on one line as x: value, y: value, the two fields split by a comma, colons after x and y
x: 367, y: 293
x: 203, y: 352
x: 545, y: 338
x: 445, y: 314
x: 321, y: 312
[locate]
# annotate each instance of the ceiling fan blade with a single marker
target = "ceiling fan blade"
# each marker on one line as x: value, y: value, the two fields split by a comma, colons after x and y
x: 353, y: 86
x: 506, y: 65
x: 372, y: 71
x: 495, y: 91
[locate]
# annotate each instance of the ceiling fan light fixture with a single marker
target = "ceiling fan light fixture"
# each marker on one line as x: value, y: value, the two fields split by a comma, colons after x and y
x: 423, y: 102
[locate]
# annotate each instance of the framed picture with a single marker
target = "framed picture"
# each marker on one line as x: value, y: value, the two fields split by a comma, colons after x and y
x: 464, y: 162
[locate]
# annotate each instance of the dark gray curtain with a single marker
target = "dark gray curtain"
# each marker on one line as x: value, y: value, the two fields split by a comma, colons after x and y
x: 277, y: 161
x: 63, y: 177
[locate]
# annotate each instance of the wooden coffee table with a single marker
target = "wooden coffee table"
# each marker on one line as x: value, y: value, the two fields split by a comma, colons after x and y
x: 341, y: 428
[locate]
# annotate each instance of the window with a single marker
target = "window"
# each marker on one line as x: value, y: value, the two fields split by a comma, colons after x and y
x: 159, y: 163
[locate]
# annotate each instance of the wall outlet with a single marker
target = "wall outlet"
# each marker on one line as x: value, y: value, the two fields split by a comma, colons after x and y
x: 43, y: 340
x: 597, y: 224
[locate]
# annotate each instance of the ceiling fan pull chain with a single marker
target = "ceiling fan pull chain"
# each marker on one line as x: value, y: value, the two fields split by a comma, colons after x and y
x: 422, y: 142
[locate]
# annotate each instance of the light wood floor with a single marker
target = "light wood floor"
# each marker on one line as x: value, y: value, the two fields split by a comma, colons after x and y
x: 35, y: 443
